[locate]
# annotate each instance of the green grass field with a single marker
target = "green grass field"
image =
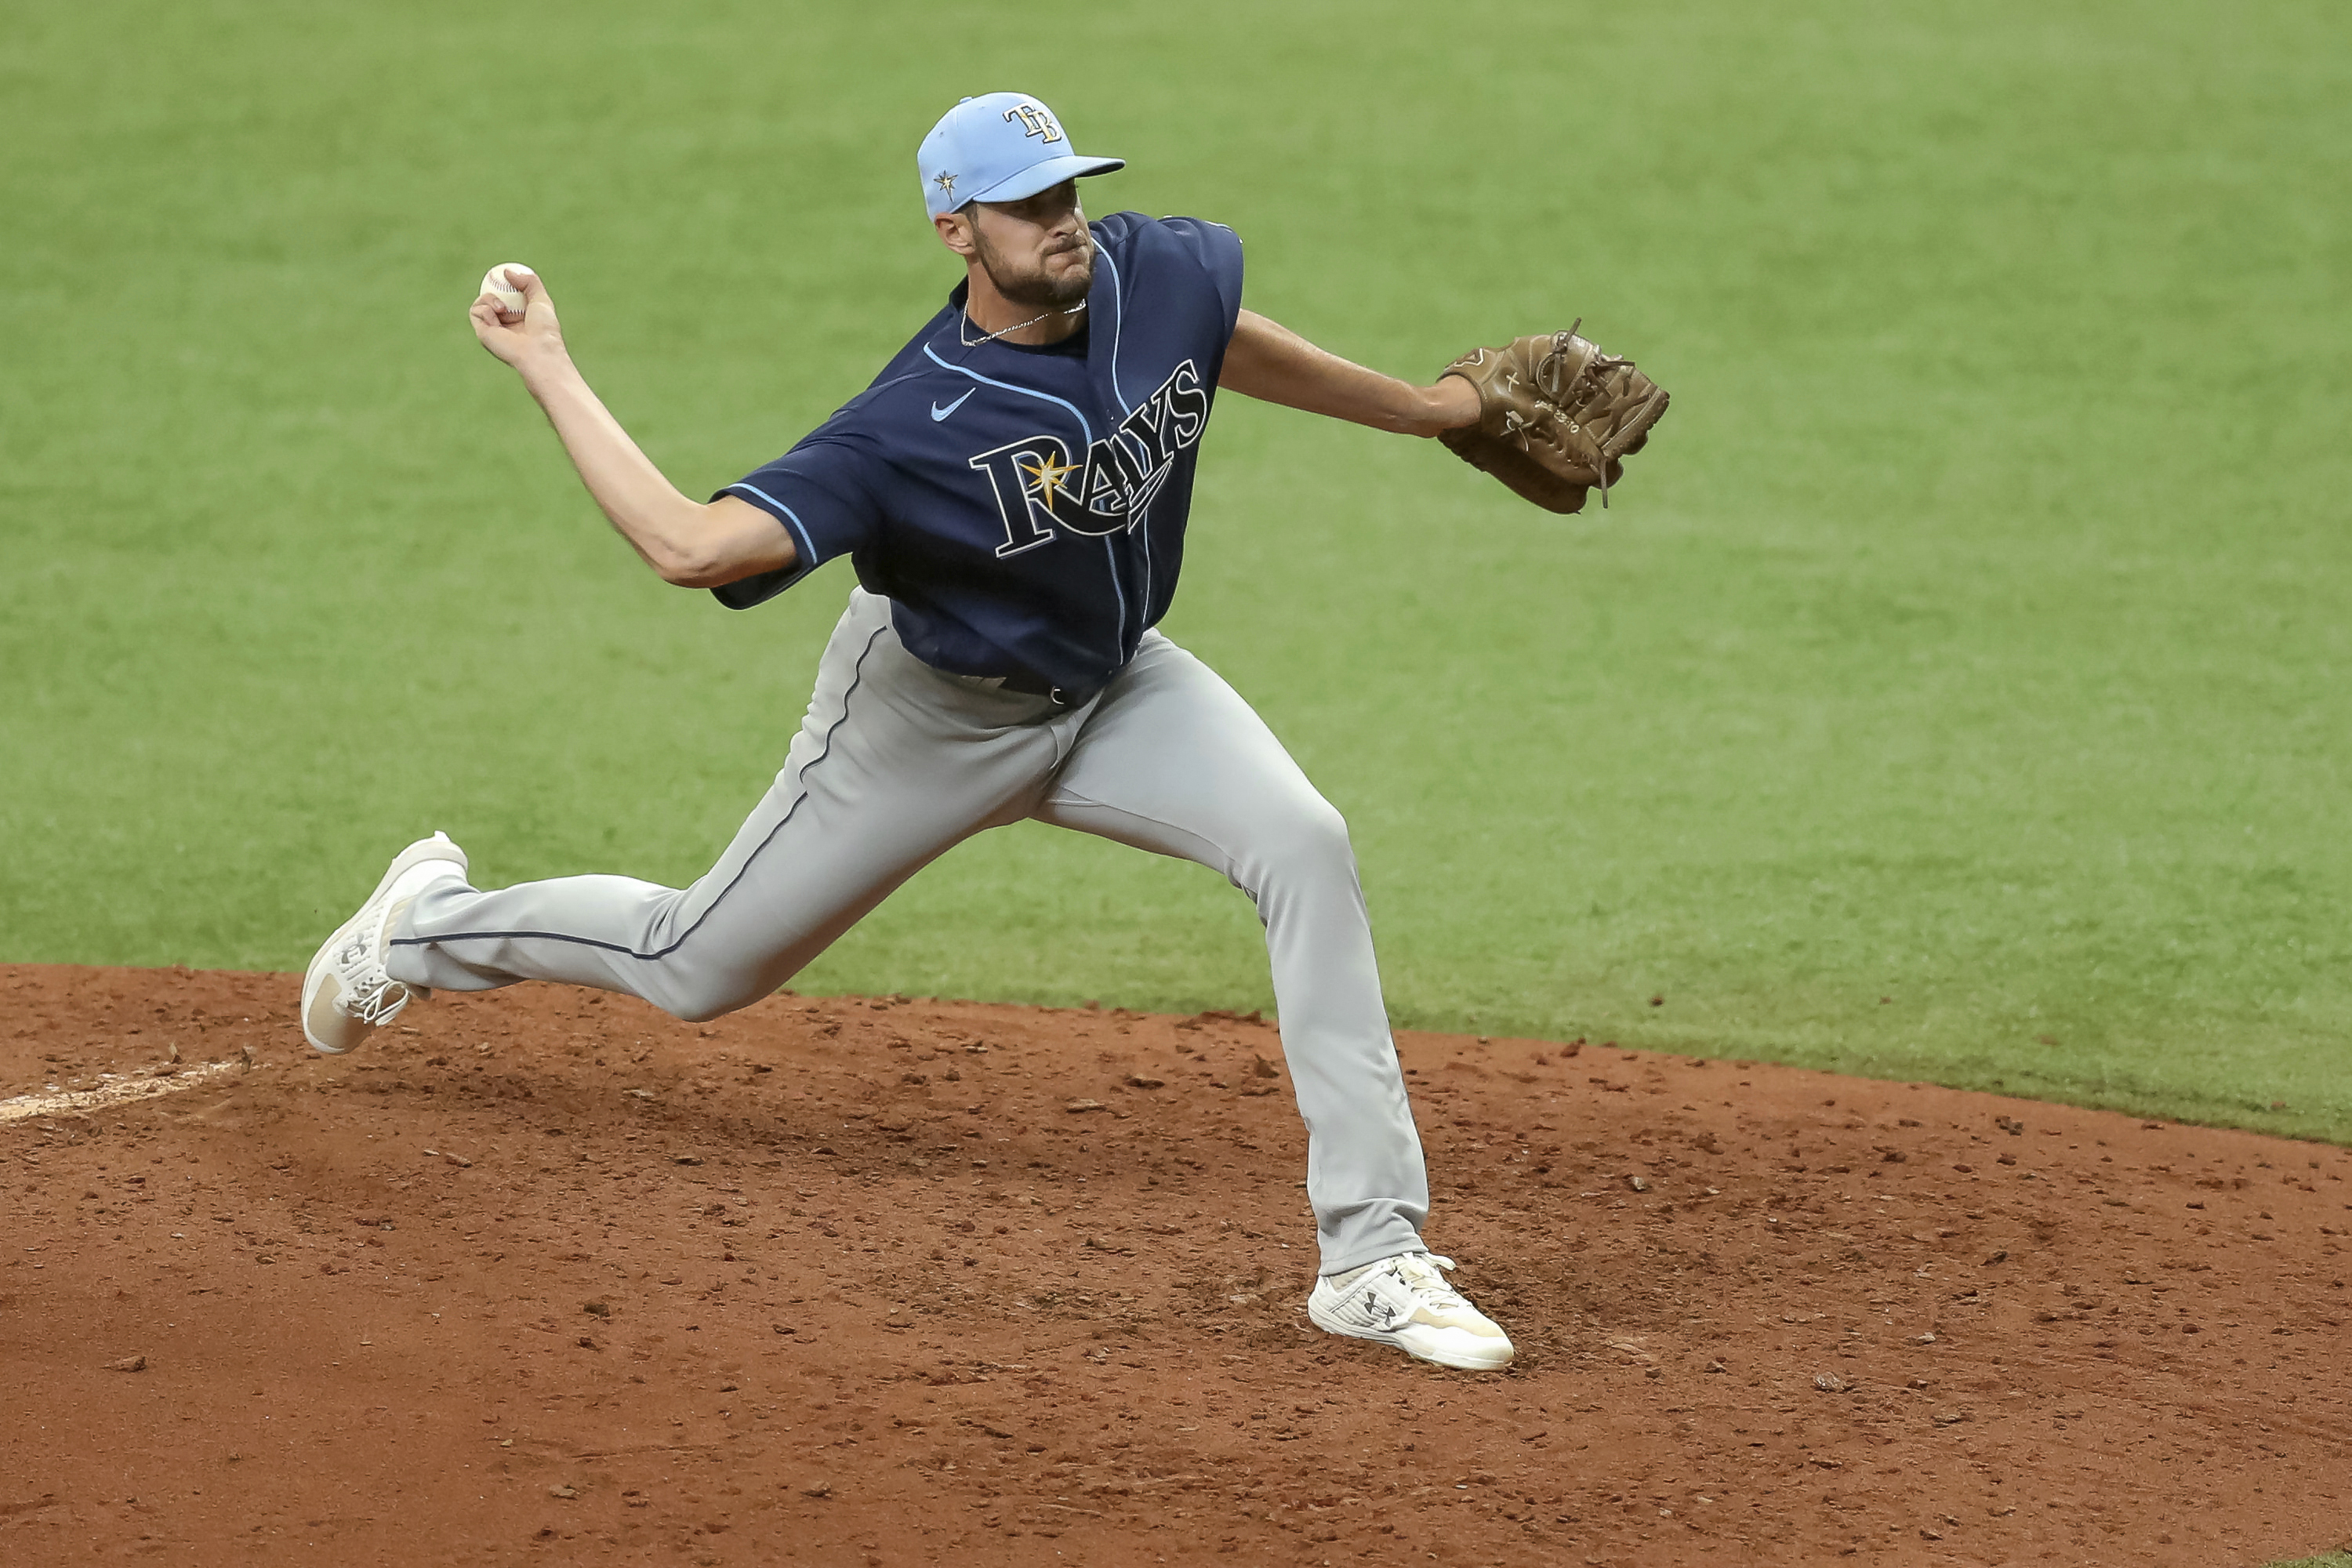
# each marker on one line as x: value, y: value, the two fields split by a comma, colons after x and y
x: 1958, y: 688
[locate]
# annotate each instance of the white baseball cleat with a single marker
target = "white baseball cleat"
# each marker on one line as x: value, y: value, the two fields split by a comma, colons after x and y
x: 1405, y: 1301
x: 345, y: 993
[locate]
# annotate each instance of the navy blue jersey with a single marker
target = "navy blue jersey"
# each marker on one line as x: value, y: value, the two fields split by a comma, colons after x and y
x: 1024, y: 508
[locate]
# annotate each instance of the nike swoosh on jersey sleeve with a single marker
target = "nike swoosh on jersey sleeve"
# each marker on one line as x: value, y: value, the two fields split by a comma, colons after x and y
x: 938, y: 413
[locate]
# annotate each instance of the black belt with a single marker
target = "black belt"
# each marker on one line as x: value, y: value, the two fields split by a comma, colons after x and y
x: 1059, y: 696
x: 1032, y: 686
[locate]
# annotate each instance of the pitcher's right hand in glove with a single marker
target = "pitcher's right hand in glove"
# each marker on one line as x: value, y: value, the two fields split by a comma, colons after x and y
x: 1557, y: 415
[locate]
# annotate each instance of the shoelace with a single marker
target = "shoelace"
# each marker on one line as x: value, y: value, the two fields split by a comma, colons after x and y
x: 1420, y: 1271
x: 375, y: 996
x: 377, y: 1002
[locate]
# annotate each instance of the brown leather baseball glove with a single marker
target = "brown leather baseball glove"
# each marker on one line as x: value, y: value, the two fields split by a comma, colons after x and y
x: 1557, y: 415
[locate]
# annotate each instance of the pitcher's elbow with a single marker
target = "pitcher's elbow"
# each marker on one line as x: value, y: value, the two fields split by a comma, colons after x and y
x: 684, y: 566
x: 690, y: 574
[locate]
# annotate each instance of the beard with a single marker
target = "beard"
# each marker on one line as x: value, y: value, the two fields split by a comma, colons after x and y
x: 1035, y: 286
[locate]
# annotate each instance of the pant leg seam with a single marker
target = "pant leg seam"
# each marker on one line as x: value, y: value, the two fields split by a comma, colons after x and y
x: 857, y: 676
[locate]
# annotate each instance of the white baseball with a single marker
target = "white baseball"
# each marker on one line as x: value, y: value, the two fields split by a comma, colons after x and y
x: 494, y: 284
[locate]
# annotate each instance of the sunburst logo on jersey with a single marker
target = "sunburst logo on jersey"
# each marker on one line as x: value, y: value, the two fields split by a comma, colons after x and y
x: 1048, y: 477
x: 1043, y: 491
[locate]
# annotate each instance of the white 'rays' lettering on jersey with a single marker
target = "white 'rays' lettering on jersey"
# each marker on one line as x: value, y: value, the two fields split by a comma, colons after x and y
x: 1038, y: 485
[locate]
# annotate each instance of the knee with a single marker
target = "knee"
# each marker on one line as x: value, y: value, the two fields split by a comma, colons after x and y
x: 702, y: 998
x: 1311, y: 838
x: 705, y: 980
x: 700, y: 1009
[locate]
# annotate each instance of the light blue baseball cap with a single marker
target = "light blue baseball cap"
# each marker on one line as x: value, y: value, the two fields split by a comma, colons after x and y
x: 998, y: 147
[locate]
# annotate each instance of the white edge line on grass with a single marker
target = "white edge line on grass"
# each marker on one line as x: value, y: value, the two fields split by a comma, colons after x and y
x: 75, y: 1101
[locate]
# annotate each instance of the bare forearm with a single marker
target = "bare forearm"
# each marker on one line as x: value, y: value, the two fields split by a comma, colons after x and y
x: 649, y: 511
x: 691, y: 544
x: 1268, y: 361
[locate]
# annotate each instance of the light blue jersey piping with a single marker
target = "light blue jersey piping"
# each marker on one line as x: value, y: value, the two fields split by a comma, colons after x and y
x: 1024, y: 391
x: 1117, y: 331
x: 799, y: 529
x: 1110, y: 556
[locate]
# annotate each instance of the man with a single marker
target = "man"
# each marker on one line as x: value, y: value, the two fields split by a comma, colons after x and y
x: 1014, y: 489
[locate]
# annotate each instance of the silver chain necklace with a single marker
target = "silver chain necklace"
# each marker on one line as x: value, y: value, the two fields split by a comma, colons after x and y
x: 972, y: 342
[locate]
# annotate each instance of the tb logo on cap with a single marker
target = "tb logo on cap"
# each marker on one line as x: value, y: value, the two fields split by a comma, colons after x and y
x: 1035, y: 121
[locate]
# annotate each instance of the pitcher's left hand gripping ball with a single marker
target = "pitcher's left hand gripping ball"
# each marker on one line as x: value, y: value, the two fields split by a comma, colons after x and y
x: 1556, y: 414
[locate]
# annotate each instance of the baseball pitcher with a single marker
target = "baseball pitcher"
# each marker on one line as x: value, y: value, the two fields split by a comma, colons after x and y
x: 1011, y: 492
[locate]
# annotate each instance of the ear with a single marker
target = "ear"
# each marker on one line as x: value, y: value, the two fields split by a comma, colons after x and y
x: 955, y: 233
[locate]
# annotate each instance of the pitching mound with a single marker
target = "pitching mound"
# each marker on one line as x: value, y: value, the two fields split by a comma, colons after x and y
x: 545, y: 1276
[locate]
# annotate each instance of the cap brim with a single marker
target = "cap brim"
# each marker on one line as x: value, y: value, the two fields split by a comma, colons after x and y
x: 1044, y: 176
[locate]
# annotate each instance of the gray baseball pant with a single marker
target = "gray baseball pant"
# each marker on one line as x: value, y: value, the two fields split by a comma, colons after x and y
x: 896, y: 762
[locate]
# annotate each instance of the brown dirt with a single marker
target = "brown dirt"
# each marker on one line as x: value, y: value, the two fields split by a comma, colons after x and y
x: 545, y: 1276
